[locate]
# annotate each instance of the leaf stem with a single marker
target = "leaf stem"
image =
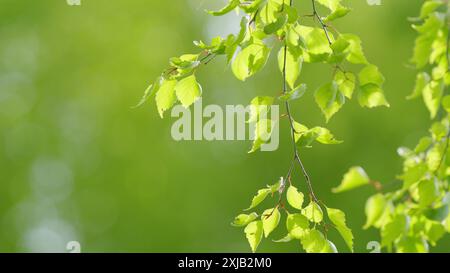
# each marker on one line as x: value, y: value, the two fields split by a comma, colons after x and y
x: 319, y: 18
x: 291, y: 122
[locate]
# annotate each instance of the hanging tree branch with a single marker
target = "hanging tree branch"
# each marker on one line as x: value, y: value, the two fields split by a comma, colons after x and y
x: 248, y: 53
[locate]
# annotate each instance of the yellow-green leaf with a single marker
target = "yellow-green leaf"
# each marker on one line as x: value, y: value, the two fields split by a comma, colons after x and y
x: 244, y: 219
x: 329, y: 99
x: 313, y: 212
x: 375, y: 206
x: 293, y: 66
x: 294, y: 197
x: 371, y: 95
x: 314, y: 242
x: 258, y: 198
x: 338, y: 218
x: 188, y: 91
x: 270, y: 219
x: 354, y: 178
x: 297, y: 224
x: 254, y: 234
x: 165, y: 96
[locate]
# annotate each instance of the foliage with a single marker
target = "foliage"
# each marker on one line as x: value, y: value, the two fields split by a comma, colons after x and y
x: 277, y: 25
x: 416, y: 214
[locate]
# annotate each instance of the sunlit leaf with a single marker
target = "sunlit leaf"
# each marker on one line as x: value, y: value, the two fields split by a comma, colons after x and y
x: 165, y: 96
x: 254, y: 234
x: 313, y: 212
x: 329, y: 99
x: 338, y: 218
x: 244, y: 219
x: 270, y: 219
x: 375, y: 207
x: 188, y: 91
x: 297, y: 225
x: 228, y: 8
x: 294, y: 197
x: 259, y: 197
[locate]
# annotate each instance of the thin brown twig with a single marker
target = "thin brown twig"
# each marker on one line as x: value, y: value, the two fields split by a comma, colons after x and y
x: 293, y: 131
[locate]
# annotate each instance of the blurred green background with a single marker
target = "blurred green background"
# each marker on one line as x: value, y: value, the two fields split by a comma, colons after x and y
x: 77, y: 163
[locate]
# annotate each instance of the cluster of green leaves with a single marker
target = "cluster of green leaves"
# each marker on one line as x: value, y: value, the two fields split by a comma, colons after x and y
x: 416, y: 215
x: 265, y: 21
x: 302, y: 224
x: 279, y: 20
x: 266, y: 26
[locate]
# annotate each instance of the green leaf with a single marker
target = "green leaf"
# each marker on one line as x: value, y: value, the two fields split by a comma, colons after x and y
x: 340, y: 51
x: 276, y: 187
x: 438, y: 131
x: 188, y: 91
x: 232, y: 42
x: 356, y: 54
x: 304, y: 137
x: 338, y: 13
x: 231, y: 6
x: 324, y: 136
x: 330, y: 4
x: 428, y: 33
x: 446, y: 103
x: 244, y: 219
x: 150, y: 91
x: 295, y: 41
x: 254, y: 6
x: 428, y: 193
x: 337, y: 10
x: 423, y: 144
x: 409, y: 244
x: 293, y: 66
x: 313, y: 212
x: 316, y: 43
x: 297, y: 225
x: 432, y: 94
x: 413, y: 174
x: 346, y: 82
x: 263, y: 132
x: 291, y: 13
x: 259, y: 107
x: 146, y: 95
x: 374, y: 209
x: 165, y: 96
x: 285, y: 239
x: 370, y: 75
x: 295, y: 198
x: 354, y: 178
x: 294, y: 94
x: 269, y: 12
x: 315, y: 242
x: 218, y: 46
x: 447, y: 223
x: 393, y: 229
x: 337, y: 217
x: 422, y: 80
x: 434, y: 157
x: 258, y: 198
x: 434, y: 231
x: 254, y: 234
x: 270, y: 219
x: 329, y: 99
x: 371, y: 96
x: 185, y: 63
x: 277, y: 25
x: 429, y: 7
x: 250, y: 60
